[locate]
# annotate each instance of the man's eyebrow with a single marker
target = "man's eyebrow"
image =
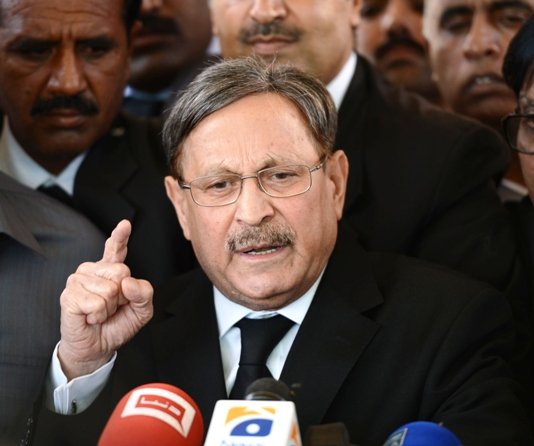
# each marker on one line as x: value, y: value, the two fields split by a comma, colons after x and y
x: 518, y: 4
x: 103, y: 41
x: 27, y: 43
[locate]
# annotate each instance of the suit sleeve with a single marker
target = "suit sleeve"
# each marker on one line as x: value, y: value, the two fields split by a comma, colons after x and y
x: 470, y: 381
x: 467, y: 227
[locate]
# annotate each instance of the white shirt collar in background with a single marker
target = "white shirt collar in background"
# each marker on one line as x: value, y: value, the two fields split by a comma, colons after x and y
x: 340, y: 84
x: 15, y: 162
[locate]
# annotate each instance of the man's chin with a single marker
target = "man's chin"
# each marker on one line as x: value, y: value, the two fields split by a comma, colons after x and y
x: 489, y: 110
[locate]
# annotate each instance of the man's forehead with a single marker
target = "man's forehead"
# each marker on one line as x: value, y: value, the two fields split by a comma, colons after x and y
x: 18, y: 13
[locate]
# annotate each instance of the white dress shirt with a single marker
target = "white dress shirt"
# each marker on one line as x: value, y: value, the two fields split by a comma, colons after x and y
x: 340, y: 84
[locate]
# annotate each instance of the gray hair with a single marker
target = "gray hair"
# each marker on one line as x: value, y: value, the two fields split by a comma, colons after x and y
x: 228, y: 81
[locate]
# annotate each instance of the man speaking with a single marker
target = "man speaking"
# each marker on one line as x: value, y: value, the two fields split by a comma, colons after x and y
x: 373, y: 340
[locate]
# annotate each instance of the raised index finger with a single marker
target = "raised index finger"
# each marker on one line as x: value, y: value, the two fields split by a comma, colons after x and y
x: 116, y: 246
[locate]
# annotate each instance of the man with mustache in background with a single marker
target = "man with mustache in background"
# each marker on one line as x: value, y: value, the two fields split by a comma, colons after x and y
x: 169, y: 49
x: 390, y: 35
x: 63, y: 69
x: 467, y: 43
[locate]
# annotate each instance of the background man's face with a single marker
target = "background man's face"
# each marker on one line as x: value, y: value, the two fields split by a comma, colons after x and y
x: 390, y: 35
x: 314, y: 35
x: 63, y: 67
x: 175, y: 35
x: 468, y: 40
x: 525, y: 105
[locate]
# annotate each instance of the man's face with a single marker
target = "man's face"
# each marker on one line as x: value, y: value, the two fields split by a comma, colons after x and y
x: 468, y: 40
x: 260, y: 251
x: 526, y: 105
x: 174, y: 36
x: 390, y: 35
x: 314, y: 35
x: 63, y: 67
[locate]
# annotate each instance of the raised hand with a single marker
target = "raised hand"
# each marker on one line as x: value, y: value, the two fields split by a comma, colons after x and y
x: 102, y: 307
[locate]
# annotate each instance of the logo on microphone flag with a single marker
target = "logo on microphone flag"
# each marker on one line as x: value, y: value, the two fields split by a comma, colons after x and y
x: 163, y: 405
x: 247, y: 422
x: 253, y: 423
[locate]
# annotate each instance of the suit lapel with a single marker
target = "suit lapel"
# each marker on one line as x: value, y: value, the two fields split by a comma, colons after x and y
x: 186, y: 343
x: 352, y: 123
x: 334, y: 332
x: 101, y: 177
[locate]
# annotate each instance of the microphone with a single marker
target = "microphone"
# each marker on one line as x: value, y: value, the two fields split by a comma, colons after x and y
x: 154, y: 413
x: 330, y: 434
x: 266, y: 417
x: 422, y: 433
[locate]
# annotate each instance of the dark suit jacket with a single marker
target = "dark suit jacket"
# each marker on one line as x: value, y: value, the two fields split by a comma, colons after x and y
x: 41, y: 243
x: 122, y: 177
x: 387, y: 340
x: 421, y: 180
x: 523, y: 217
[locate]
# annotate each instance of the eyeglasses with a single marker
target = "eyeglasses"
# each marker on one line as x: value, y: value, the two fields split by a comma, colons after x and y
x: 519, y: 132
x: 278, y: 182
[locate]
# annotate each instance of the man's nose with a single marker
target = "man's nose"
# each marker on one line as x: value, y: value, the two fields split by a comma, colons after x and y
x: 399, y: 17
x: 150, y: 6
x: 67, y: 76
x: 253, y: 205
x: 266, y: 11
x: 483, y: 39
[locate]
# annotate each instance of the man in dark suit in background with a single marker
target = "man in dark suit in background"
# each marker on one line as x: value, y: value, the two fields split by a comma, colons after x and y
x: 518, y: 70
x: 41, y: 241
x: 467, y: 43
x: 169, y: 49
x: 373, y: 340
x: 63, y: 69
x: 421, y: 181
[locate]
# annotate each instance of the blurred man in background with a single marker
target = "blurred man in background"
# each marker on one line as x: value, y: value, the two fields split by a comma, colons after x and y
x: 169, y: 49
x: 390, y: 35
x: 63, y: 70
x: 467, y: 43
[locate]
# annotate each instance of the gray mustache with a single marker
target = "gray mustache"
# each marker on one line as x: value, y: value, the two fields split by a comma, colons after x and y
x: 268, y: 234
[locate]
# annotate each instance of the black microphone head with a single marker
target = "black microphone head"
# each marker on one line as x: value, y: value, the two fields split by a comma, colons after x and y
x: 268, y: 389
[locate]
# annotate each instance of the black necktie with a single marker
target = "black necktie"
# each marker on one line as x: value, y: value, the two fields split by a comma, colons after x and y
x: 58, y: 193
x: 258, y: 338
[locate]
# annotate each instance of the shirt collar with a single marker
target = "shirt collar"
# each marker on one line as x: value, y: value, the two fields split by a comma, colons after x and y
x: 340, y: 84
x: 163, y: 95
x: 229, y: 312
x: 18, y: 164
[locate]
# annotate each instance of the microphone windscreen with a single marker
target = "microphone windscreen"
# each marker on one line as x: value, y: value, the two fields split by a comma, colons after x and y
x: 154, y: 414
x: 268, y: 389
x: 331, y: 434
x: 422, y: 433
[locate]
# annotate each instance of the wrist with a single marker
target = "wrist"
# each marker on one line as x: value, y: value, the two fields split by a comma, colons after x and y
x: 73, y: 366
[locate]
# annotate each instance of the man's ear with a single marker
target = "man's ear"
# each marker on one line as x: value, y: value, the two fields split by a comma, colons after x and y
x: 337, y: 170
x: 178, y: 199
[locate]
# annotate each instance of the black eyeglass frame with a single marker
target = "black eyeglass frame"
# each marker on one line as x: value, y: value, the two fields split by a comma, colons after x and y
x: 511, y: 135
